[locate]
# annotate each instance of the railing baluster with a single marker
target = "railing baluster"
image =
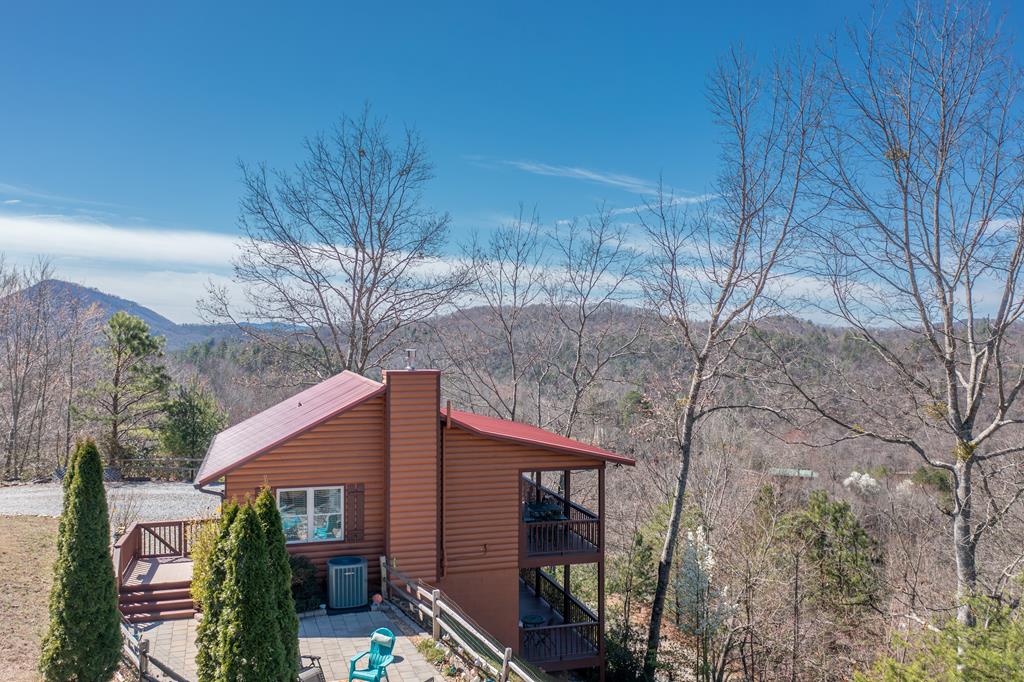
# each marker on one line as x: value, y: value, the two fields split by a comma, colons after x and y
x: 165, y: 538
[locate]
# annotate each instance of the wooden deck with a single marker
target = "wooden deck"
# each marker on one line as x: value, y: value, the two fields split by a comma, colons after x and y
x: 556, y: 645
x: 532, y: 605
x: 573, y: 538
x: 155, y: 571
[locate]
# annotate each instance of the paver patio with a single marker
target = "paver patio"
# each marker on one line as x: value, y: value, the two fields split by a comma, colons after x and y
x: 334, y: 638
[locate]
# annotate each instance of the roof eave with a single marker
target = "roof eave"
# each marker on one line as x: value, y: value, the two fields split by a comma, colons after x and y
x: 197, y: 483
x: 604, y: 456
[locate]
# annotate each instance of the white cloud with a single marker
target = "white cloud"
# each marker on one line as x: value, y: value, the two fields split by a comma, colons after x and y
x: 627, y: 182
x: 172, y: 293
x: 29, y: 193
x: 166, y: 270
x: 671, y: 200
x: 60, y: 238
x: 11, y: 202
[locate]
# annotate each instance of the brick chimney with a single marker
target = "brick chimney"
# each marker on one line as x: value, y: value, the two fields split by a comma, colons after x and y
x: 413, y: 453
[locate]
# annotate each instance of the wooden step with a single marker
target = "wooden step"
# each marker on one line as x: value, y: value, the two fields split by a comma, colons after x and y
x: 153, y: 606
x: 156, y: 587
x: 150, y: 616
x: 161, y: 595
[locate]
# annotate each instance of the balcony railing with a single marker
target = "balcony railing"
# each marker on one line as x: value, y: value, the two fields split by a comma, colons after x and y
x: 154, y: 539
x: 573, y: 632
x: 552, y: 525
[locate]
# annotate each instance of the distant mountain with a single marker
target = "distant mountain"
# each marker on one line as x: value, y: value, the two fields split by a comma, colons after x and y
x: 178, y: 336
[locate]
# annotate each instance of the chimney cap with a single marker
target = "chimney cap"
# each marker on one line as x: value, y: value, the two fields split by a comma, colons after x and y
x: 410, y: 358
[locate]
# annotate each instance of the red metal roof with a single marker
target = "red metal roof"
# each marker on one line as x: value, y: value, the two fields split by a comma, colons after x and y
x: 284, y: 421
x: 503, y: 429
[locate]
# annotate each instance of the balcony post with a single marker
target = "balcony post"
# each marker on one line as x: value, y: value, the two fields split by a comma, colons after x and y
x: 567, y: 491
x: 600, y: 568
x: 565, y: 592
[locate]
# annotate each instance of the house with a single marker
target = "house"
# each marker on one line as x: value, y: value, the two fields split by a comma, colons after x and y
x: 463, y: 502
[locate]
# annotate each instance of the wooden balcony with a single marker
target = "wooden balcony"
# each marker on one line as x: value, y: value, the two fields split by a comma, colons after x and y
x: 556, y: 630
x: 554, y: 529
x: 153, y: 566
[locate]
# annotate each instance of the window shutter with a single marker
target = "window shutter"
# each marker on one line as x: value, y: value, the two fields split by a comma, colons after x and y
x: 354, y: 505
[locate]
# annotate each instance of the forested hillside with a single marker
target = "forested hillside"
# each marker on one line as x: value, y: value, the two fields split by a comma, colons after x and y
x: 785, y: 532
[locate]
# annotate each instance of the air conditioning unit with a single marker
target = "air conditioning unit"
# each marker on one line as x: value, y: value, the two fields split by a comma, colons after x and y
x: 346, y: 582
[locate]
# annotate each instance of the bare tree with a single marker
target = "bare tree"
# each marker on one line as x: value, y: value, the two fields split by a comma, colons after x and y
x: 715, y: 272
x: 341, y: 253
x: 25, y: 348
x: 922, y: 258
x: 495, y: 343
x: 594, y: 269
x: 43, y: 338
x: 79, y: 329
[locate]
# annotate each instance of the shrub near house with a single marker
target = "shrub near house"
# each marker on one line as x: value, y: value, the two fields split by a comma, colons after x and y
x: 242, y: 582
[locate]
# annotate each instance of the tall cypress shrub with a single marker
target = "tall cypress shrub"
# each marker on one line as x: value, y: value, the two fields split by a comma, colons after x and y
x: 208, y: 657
x: 69, y: 470
x: 83, y: 641
x: 281, y: 579
x: 250, y: 642
x: 69, y: 475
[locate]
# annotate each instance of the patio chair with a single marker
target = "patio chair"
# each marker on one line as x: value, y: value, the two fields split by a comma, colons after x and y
x: 382, y: 642
x: 312, y: 672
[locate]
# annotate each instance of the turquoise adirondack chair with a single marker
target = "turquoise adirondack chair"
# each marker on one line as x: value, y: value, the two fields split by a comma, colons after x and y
x: 382, y: 642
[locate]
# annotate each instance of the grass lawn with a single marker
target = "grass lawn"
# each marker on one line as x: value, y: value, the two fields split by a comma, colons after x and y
x: 27, y: 552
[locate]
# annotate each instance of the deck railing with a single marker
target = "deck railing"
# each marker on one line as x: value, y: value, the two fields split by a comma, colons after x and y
x: 152, y: 539
x: 555, y: 595
x: 579, y: 532
x: 577, y: 636
x: 451, y: 625
x: 567, y: 642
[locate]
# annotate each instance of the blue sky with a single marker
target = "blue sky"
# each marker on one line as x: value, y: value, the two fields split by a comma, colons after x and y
x: 121, y: 123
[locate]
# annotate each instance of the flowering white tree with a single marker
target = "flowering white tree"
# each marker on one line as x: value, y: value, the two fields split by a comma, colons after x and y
x: 703, y: 610
x: 863, y: 483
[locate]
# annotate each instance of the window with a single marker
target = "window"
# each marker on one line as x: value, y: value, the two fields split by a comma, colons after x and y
x: 312, y: 514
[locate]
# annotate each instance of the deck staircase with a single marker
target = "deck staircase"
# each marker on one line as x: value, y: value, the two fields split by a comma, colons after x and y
x: 164, y: 601
x: 154, y: 571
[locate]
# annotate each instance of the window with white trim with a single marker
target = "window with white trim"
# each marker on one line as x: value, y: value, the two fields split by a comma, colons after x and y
x: 312, y: 514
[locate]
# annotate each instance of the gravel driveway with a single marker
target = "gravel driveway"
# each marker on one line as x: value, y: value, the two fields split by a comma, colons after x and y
x: 142, y: 501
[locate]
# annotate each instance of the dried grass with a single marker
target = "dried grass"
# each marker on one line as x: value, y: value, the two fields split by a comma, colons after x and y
x: 27, y: 552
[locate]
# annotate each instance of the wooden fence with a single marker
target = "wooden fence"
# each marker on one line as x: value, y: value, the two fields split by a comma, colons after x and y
x: 162, y: 468
x: 136, y: 651
x: 448, y: 621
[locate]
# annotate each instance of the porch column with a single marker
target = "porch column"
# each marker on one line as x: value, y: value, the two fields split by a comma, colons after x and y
x: 565, y: 593
x: 567, y: 491
x: 600, y: 568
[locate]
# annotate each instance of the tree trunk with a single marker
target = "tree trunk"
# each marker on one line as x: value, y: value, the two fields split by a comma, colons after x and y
x: 796, y: 619
x: 669, y: 548
x: 963, y: 541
